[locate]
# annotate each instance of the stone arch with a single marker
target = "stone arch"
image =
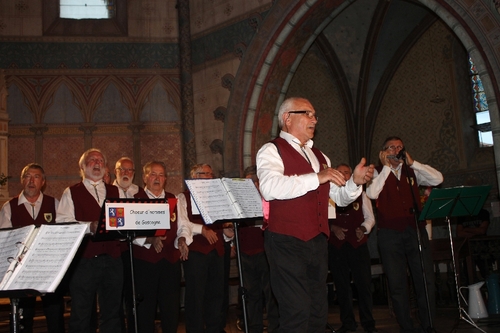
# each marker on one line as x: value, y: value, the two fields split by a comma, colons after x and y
x: 170, y: 90
x: 278, y: 47
x: 111, y: 108
x: 20, y: 113
x: 37, y: 91
x: 67, y: 111
x: 159, y: 105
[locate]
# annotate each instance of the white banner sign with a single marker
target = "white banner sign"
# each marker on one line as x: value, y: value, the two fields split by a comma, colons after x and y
x: 137, y: 216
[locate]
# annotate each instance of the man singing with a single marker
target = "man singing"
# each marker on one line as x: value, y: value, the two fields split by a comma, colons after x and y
x: 297, y: 180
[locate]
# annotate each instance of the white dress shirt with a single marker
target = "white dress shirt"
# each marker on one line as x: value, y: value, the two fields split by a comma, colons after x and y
x: 275, y: 185
x: 66, y: 209
x: 128, y: 193
x: 6, y: 211
x: 190, y: 229
x: 367, y: 208
x: 425, y: 174
x: 182, y: 231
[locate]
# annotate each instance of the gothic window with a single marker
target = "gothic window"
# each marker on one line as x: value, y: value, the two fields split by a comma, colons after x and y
x: 481, y: 110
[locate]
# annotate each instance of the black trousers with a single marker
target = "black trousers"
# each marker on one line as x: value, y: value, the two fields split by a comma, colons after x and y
x: 298, y: 279
x: 345, y: 263
x: 102, y: 275
x: 53, y: 309
x: 258, y: 286
x: 204, y: 277
x: 158, y: 286
x: 400, y: 253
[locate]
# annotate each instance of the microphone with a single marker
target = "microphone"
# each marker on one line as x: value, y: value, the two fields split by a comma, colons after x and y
x: 400, y: 156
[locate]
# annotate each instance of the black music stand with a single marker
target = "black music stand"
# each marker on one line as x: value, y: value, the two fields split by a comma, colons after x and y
x: 102, y: 234
x: 453, y: 202
x: 14, y: 296
x: 242, y: 290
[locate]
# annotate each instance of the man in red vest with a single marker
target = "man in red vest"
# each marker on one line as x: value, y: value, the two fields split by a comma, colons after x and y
x: 97, y: 268
x: 31, y: 206
x: 125, y: 172
x: 392, y: 187
x: 297, y: 180
x: 348, y: 257
x: 158, y: 263
x: 255, y: 272
x: 124, y: 177
x: 204, y: 270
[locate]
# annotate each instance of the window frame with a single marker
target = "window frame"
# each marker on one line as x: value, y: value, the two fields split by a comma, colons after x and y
x: 53, y: 25
x: 483, y: 127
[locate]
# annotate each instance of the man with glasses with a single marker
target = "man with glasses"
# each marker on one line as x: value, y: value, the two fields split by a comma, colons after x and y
x: 98, y: 266
x: 298, y: 180
x: 392, y: 187
x: 124, y: 177
x: 125, y: 172
x: 349, y: 259
x: 31, y: 206
x: 158, y: 263
x: 204, y: 270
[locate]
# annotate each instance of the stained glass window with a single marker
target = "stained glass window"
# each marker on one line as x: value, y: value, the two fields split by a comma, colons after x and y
x: 483, y: 124
x: 87, y: 9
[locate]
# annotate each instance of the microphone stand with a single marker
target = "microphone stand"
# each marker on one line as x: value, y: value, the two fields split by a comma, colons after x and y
x: 416, y: 213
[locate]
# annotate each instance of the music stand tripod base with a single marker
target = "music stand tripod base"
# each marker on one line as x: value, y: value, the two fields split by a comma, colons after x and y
x: 453, y: 202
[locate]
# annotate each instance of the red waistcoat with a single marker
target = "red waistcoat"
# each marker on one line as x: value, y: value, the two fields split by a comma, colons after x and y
x: 200, y: 243
x: 395, y: 201
x: 21, y: 217
x: 350, y: 218
x: 304, y: 217
x: 87, y: 209
x: 169, y: 251
x: 141, y: 194
x: 251, y: 239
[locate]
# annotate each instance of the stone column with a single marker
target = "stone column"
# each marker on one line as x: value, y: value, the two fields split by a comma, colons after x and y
x: 135, y: 128
x: 4, y: 134
x: 187, y: 112
x: 87, y: 129
x: 39, y: 129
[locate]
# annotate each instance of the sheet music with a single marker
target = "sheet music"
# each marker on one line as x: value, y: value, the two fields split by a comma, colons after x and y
x: 47, y: 258
x: 225, y: 199
x: 245, y: 196
x: 211, y: 199
x: 10, y: 247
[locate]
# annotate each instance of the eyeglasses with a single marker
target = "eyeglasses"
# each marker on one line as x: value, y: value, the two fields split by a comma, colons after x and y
x: 205, y: 173
x: 308, y: 113
x: 124, y: 170
x: 393, y: 148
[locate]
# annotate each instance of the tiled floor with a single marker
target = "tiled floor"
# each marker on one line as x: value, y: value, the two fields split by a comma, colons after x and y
x: 446, y: 321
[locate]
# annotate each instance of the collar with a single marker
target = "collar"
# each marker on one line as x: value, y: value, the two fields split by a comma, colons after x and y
x: 22, y: 199
x: 398, y: 168
x: 131, y: 188
x: 87, y: 181
x: 152, y: 196
x: 290, y: 138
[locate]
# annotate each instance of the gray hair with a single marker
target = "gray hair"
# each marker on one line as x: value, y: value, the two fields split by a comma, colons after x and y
x: 32, y: 166
x: 83, y: 159
x: 287, y: 106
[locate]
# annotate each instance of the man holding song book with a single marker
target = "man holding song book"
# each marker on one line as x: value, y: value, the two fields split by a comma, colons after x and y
x: 158, y: 262
x: 204, y: 270
x: 97, y: 267
x: 31, y: 206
